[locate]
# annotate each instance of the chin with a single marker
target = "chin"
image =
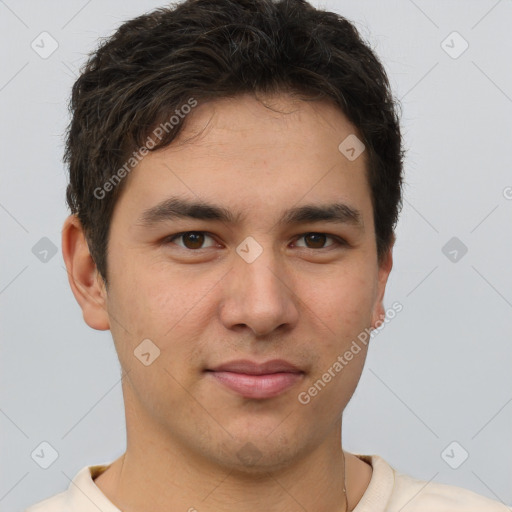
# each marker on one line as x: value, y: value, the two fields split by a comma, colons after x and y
x: 253, y: 455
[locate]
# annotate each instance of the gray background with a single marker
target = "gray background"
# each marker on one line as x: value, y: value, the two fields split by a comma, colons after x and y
x: 439, y: 372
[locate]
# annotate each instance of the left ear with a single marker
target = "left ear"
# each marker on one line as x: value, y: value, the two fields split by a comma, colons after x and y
x: 385, y: 266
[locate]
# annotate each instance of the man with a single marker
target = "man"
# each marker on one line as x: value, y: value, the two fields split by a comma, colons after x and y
x: 235, y: 180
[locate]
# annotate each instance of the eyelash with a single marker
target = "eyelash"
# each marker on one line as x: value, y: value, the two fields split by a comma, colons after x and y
x: 340, y: 242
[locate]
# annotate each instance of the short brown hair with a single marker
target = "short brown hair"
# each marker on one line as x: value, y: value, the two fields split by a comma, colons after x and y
x: 208, y: 49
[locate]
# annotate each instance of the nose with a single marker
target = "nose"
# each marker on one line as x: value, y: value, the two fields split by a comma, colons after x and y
x: 259, y: 296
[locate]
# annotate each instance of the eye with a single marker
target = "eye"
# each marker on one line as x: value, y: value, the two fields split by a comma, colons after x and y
x: 317, y: 240
x: 192, y: 240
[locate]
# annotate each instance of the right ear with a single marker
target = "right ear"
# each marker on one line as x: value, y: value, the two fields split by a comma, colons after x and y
x: 86, y: 283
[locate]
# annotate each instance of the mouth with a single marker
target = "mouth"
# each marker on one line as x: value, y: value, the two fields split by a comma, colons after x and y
x: 257, y: 380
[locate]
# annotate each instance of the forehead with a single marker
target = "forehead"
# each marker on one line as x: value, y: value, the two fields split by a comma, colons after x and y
x: 269, y: 120
x: 237, y: 153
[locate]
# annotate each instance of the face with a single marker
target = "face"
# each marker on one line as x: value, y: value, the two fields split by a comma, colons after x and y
x: 243, y: 282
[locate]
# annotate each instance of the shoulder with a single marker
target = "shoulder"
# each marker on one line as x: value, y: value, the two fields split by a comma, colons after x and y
x: 55, y: 503
x: 82, y: 495
x: 392, y: 491
x: 413, y: 495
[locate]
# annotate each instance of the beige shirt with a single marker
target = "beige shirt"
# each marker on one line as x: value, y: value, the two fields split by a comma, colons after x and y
x: 388, y: 491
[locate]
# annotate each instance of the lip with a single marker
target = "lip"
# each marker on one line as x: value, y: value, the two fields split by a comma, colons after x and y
x: 257, y: 380
x: 253, y: 368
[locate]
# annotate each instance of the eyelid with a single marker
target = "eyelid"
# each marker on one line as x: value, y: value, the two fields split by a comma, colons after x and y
x: 171, y: 238
x: 339, y: 241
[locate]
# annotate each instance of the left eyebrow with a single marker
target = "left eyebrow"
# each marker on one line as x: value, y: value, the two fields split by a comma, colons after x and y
x: 178, y: 208
x: 334, y: 212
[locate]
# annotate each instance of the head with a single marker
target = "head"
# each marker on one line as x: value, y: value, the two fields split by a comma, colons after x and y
x: 242, y: 108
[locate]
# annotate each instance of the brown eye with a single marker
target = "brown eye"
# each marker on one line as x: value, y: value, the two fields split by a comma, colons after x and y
x: 193, y: 240
x: 190, y: 239
x: 317, y: 240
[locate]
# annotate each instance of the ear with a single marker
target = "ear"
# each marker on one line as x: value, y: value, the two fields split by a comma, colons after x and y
x: 86, y: 283
x: 385, y: 267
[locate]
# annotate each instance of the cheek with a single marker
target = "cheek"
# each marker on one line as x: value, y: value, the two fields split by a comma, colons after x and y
x: 343, y: 302
x: 153, y: 299
x: 165, y: 308
x: 341, y: 309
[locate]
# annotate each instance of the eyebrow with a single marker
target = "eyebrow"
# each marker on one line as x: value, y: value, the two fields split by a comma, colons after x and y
x: 177, y: 208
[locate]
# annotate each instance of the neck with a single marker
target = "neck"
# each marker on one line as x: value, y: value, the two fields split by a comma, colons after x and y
x: 152, y: 479
x: 159, y: 472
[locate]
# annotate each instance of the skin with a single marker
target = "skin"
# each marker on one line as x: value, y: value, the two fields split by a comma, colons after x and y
x: 300, y: 300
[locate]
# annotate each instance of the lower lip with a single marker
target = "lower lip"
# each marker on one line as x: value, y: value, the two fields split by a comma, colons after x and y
x: 258, y: 386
